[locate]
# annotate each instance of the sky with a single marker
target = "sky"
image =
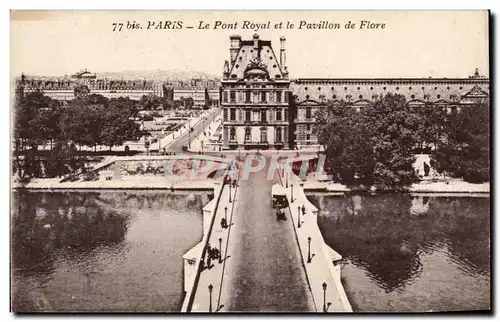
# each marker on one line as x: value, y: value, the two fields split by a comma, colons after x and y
x: 411, y: 44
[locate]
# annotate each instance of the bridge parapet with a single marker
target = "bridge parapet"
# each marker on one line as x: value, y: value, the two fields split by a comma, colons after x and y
x: 321, y: 262
x: 199, y: 272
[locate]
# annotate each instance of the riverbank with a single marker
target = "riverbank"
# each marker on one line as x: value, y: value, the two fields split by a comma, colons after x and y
x: 452, y: 186
x: 139, y: 183
x: 425, y: 186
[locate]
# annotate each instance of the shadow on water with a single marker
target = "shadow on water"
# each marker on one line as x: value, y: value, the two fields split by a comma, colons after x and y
x: 78, y: 251
x: 389, y: 236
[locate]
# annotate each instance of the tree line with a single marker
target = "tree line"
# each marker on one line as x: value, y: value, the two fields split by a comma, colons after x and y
x: 376, y: 145
x: 88, y: 120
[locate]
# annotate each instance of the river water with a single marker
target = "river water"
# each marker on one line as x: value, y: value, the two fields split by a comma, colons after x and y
x: 102, y: 251
x: 410, y: 253
x: 122, y: 250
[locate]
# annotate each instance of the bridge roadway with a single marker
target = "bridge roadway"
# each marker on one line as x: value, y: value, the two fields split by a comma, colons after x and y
x: 183, y: 140
x: 264, y: 271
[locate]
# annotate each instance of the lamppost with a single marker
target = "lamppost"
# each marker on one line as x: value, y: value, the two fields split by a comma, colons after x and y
x: 230, y: 193
x: 298, y: 212
x: 225, y: 213
x: 324, y: 296
x: 220, y: 250
x: 309, y: 249
x: 286, y: 179
x: 291, y: 195
x: 210, y: 288
x: 147, y: 144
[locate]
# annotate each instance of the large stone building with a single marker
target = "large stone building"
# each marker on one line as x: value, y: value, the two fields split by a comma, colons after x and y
x: 62, y: 88
x: 257, y: 104
x: 255, y: 96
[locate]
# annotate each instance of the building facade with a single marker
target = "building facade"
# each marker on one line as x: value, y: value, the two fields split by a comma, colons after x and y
x: 255, y: 91
x: 62, y: 89
x: 254, y: 109
x: 201, y: 97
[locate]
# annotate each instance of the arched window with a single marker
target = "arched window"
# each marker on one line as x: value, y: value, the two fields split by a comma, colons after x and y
x: 278, y: 135
x: 232, y: 134
x: 248, y: 134
x: 263, y: 135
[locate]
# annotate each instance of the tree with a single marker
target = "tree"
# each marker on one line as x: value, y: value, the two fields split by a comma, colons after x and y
x: 431, y: 120
x: 372, y: 145
x: 35, y: 121
x: 81, y: 91
x: 82, y: 121
x: 464, y: 150
x: 150, y: 102
x: 118, y: 128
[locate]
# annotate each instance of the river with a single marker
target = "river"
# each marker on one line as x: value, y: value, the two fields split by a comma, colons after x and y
x: 122, y: 250
x: 102, y: 251
x: 410, y: 253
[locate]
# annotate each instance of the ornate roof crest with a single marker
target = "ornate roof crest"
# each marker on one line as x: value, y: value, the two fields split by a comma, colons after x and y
x: 257, y: 63
x: 476, y: 91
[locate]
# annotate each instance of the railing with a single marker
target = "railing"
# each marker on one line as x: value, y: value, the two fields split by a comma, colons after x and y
x: 190, y: 295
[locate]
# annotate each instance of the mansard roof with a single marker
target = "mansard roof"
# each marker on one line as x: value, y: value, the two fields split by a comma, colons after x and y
x: 256, y: 61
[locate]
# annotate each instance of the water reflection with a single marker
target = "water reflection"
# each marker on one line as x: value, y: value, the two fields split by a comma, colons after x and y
x: 391, y: 237
x: 109, y: 250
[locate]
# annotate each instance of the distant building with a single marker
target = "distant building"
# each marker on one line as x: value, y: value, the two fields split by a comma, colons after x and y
x: 84, y: 74
x: 263, y: 108
x: 199, y: 96
x: 63, y: 88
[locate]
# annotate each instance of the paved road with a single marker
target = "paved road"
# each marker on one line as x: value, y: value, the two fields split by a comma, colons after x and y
x: 264, y: 271
x: 176, y: 146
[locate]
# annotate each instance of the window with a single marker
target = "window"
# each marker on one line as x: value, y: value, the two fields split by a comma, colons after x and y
x: 247, y: 97
x: 286, y: 97
x: 224, y: 97
x: 233, y: 114
x: 278, y: 137
x: 232, y: 96
x: 286, y: 115
x: 278, y: 114
x: 225, y: 114
x: 278, y: 97
x: 248, y: 134
x: 308, y: 127
x: 263, y: 97
x: 263, y: 116
x: 255, y: 97
x: 263, y: 135
x: 232, y: 134
x: 248, y: 115
x: 308, y: 113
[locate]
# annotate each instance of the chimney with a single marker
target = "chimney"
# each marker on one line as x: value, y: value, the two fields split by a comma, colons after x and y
x: 256, y: 46
x: 235, y: 47
x: 282, y: 52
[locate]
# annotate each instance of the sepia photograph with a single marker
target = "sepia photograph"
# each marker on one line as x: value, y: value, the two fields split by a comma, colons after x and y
x: 250, y: 161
